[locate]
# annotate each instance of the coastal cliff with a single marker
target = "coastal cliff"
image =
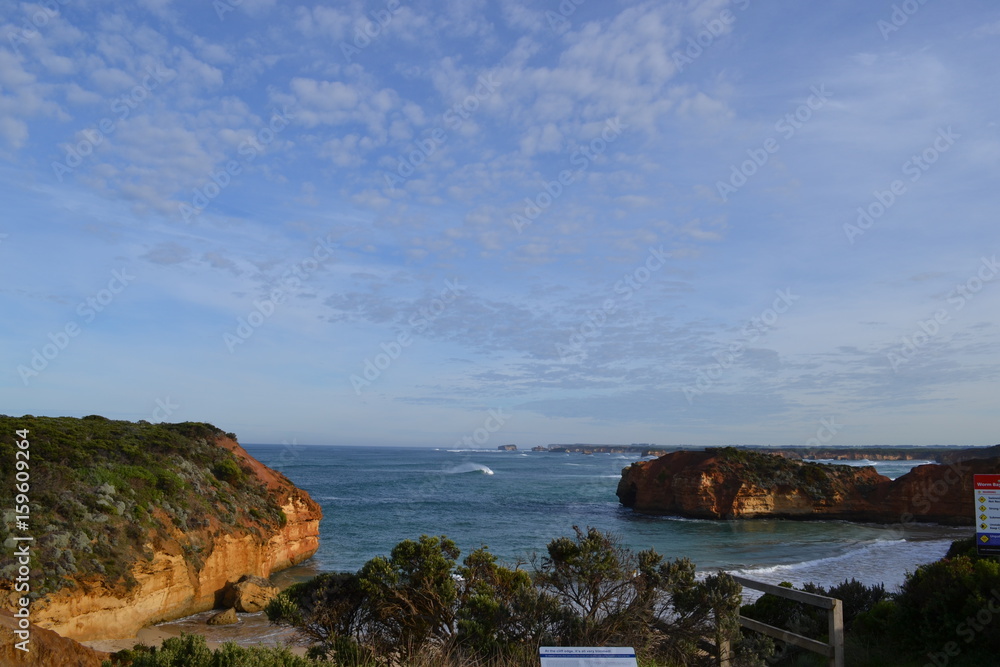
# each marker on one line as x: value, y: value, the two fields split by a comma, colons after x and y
x: 140, y: 523
x: 728, y: 483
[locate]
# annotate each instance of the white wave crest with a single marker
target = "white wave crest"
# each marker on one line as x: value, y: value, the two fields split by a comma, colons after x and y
x: 468, y: 467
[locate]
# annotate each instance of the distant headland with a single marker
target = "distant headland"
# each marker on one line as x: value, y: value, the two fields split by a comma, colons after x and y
x: 937, y: 454
x: 731, y: 483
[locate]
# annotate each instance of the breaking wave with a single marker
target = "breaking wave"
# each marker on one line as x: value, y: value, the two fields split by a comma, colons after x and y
x: 468, y: 467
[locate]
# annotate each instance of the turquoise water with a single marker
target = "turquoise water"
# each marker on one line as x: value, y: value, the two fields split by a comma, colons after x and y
x: 516, y: 502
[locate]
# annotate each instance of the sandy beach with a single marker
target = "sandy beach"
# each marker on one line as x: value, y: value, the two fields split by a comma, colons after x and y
x: 252, y: 630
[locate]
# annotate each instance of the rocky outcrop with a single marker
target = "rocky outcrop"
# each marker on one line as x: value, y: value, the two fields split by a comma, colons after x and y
x: 271, y: 526
x: 737, y: 484
x: 45, y: 648
x: 227, y: 617
x: 250, y: 594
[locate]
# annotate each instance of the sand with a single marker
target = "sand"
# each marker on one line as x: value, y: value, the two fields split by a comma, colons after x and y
x: 155, y: 636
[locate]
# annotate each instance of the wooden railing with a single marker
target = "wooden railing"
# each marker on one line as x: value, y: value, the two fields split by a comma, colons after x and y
x: 834, y: 650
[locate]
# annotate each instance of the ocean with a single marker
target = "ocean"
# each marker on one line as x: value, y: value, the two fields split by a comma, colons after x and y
x: 516, y: 502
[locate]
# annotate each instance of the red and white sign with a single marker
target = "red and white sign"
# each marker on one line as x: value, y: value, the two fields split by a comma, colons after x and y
x: 987, y: 506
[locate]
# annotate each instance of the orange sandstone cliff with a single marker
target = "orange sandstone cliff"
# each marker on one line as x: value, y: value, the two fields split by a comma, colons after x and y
x: 727, y: 483
x: 186, y: 530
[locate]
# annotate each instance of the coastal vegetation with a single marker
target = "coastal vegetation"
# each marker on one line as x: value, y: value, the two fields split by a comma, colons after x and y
x: 105, y: 494
x: 193, y: 651
x: 422, y: 606
x: 943, y: 614
x: 768, y: 471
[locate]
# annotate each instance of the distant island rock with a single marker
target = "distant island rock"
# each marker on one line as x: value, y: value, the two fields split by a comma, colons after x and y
x: 137, y: 523
x: 730, y: 483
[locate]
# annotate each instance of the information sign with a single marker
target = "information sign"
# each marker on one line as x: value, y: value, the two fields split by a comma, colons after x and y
x: 987, y: 506
x: 587, y: 656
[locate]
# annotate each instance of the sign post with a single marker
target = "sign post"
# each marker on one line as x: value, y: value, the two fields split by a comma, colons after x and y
x: 586, y: 656
x: 987, y: 505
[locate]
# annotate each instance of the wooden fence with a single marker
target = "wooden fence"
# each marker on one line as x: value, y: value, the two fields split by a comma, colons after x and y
x: 834, y: 651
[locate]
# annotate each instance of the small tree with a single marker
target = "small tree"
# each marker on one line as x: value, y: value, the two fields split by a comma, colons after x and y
x: 502, y: 613
x: 330, y: 610
x: 411, y: 595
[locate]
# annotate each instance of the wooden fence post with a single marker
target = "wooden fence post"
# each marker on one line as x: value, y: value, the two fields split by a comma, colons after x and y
x: 836, y: 620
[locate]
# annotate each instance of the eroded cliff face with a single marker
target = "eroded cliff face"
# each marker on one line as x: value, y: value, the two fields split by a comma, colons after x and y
x: 736, y: 484
x: 188, y: 569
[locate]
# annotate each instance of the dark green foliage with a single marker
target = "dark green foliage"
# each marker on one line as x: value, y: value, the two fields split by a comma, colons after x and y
x: 228, y: 471
x: 192, y: 651
x: 810, y: 621
x: 419, y: 605
x: 327, y: 606
x: 503, y: 614
x: 856, y: 596
x: 102, y: 490
x: 946, y: 612
x: 412, y: 594
x: 954, y: 599
x: 770, y: 471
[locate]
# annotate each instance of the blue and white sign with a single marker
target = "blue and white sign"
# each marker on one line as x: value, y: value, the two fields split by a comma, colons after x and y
x: 587, y: 656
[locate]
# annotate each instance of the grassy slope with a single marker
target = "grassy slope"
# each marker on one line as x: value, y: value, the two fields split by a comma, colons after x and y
x: 105, y: 493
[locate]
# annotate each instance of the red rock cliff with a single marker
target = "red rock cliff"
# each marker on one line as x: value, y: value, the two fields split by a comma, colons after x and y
x: 736, y: 484
x: 173, y: 584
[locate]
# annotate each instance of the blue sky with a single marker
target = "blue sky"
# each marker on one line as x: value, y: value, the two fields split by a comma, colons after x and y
x: 422, y: 222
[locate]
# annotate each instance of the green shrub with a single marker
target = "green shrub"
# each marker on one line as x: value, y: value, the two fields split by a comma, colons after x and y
x: 227, y: 471
x: 417, y: 606
x: 192, y: 651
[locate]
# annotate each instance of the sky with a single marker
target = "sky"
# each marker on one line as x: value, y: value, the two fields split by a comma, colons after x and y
x: 467, y: 223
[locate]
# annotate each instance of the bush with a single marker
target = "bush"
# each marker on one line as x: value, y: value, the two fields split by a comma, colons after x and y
x: 803, y: 619
x: 951, y: 600
x: 192, y: 651
x: 227, y: 471
x: 419, y: 606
